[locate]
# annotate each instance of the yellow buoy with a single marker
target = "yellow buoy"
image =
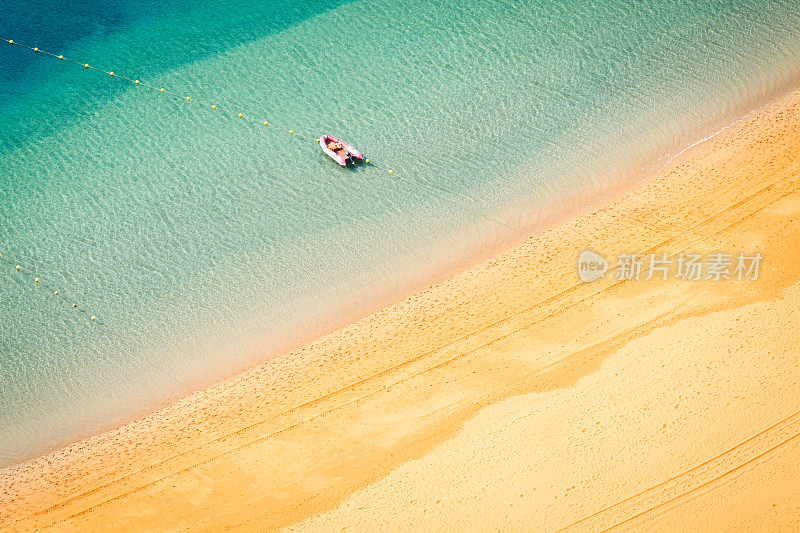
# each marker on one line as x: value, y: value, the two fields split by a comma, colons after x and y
x: 136, y: 82
x: 266, y: 123
x: 19, y: 267
x: 35, y: 49
x: 61, y: 57
x: 291, y: 132
x: 86, y: 65
x: 11, y: 41
x: 213, y: 107
x: 93, y: 317
x: 110, y: 73
x: 391, y: 172
x: 367, y: 161
x: 188, y: 98
x: 240, y: 115
x: 55, y: 292
x: 162, y: 90
x: 36, y: 280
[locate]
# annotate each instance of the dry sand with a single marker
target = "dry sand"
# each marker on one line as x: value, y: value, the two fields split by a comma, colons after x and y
x: 511, y: 396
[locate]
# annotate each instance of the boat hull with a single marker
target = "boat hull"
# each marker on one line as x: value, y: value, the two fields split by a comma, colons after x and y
x: 353, y: 155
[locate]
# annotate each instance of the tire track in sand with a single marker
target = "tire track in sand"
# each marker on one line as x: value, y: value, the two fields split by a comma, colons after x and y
x: 718, y: 470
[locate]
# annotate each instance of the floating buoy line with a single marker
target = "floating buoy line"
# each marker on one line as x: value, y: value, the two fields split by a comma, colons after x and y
x: 160, y: 90
x: 242, y: 116
x: 56, y: 292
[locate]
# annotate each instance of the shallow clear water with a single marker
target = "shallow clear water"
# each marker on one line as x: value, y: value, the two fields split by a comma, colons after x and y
x: 205, y: 244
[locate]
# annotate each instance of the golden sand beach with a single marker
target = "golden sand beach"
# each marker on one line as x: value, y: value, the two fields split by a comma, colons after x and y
x: 512, y: 396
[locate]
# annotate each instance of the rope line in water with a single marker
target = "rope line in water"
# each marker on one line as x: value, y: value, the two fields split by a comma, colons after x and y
x: 55, y: 291
x: 243, y: 116
x: 467, y: 201
x: 95, y: 321
x: 140, y: 83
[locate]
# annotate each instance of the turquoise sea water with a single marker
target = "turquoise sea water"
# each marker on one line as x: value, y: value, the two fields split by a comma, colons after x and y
x: 205, y: 244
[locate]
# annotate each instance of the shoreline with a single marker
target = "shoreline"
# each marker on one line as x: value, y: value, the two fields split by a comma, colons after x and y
x: 425, y: 345
x: 126, y: 409
x: 482, y: 252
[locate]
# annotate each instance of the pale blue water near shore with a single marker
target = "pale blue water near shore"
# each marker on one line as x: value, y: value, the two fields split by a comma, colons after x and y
x: 205, y: 244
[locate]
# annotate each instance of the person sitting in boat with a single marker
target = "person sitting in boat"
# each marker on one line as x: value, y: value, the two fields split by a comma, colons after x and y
x: 338, y: 149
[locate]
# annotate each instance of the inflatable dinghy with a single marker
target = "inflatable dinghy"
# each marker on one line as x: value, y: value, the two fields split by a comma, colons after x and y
x: 340, y: 151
